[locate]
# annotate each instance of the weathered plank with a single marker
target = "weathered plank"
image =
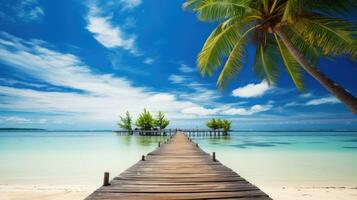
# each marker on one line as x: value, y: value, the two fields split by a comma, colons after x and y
x: 178, y: 170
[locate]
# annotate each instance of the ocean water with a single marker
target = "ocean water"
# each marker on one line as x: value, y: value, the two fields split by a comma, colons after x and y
x: 263, y: 158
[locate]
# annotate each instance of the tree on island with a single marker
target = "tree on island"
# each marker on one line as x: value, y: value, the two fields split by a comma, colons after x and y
x: 215, y: 124
x: 294, y: 33
x: 226, y: 125
x: 212, y: 124
x: 160, y: 122
x: 145, y: 121
x: 125, y: 122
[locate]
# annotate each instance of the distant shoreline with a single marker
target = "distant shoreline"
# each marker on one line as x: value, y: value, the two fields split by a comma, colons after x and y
x: 22, y: 129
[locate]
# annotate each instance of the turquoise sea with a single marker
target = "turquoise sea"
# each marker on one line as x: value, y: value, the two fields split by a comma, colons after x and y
x: 274, y: 158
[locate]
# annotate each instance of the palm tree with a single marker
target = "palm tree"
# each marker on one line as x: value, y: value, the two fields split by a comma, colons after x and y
x: 292, y: 32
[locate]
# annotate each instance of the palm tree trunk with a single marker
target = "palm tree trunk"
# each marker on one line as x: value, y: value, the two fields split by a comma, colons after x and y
x: 347, y: 98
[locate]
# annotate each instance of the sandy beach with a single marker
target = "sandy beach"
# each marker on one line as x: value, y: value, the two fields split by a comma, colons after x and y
x: 63, y: 192
x: 42, y: 192
x: 312, y: 192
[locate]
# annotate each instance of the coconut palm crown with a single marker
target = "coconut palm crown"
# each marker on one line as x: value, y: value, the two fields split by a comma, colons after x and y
x: 294, y: 33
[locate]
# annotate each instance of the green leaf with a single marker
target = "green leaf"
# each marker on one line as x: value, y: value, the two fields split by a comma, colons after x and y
x: 265, y: 65
x: 191, y: 4
x: 291, y: 65
x: 217, y: 45
x: 310, y: 52
x: 332, y: 7
x: 234, y: 61
x: 333, y: 36
x: 292, y: 8
x: 216, y: 10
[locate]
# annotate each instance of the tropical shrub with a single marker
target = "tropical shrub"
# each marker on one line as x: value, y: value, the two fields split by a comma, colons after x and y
x: 125, y: 122
x: 160, y: 121
x: 215, y: 124
x: 145, y: 121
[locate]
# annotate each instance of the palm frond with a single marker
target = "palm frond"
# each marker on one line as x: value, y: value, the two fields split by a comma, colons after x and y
x: 292, y: 8
x: 192, y: 4
x: 216, y: 10
x: 332, y: 7
x: 265, y: 64
x: 291, y: 65
x: 217, y: 45
x: 333, y: 36
x: 234, y: 62
x: 308, y: 50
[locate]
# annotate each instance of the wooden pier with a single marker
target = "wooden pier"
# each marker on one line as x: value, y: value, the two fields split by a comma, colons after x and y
x: 178, y: 169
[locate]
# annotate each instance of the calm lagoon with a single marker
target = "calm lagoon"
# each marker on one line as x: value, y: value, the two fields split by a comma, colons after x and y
x: 263, y: 158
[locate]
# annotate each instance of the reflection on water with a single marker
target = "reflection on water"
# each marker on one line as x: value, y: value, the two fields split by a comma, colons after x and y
x: 350, y: 147
x: 351, y: 140
x: 260, y: 144
x: 139, y: 140
x: 213, y: 139
x: 148, y: 140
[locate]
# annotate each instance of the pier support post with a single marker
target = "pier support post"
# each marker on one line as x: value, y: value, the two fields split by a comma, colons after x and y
x: 196, y: 145
x: 159, y: 144
x: 106, y: 179
x: 142, y: 158
x: 214, y: 156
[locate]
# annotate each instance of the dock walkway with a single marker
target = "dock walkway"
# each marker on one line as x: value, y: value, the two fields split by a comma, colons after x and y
x: 178, y: 169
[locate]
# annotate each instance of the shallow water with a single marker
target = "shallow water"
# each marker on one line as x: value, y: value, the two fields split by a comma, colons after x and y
x: 80, y: 158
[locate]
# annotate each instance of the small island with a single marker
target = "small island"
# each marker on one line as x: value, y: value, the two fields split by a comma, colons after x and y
x: 146, y: 124
x: 149, y: 125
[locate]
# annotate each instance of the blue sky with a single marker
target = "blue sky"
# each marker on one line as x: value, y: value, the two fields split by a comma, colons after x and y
x: 80, y: 64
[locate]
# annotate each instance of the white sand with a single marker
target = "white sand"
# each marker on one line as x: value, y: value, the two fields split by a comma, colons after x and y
x: 38, y: 192
x: 312, y: 193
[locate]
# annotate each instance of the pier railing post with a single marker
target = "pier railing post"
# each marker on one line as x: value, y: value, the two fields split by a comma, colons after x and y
x: 159, y: 144
x: 106, y: 179
x: 214, y: 156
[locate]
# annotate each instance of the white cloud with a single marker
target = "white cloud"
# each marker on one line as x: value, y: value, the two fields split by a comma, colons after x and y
x: 149, y: 61
x: 198, y: 110
x: 251, y: 90
x: 227, y: 110
x: 15, y: 119
x: 306, y: 95
x: 313, y: 102
x: 101, y: 93
x: 325, y: 100
x: 29, y: 10
x: 98, y: 97
x: 176, y: 79
x: 106, y: 33
x: 130, y: 4
x: 13, y: 82
x: 186, y: 69
x: 293, y: 103
x: 247, y: 111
